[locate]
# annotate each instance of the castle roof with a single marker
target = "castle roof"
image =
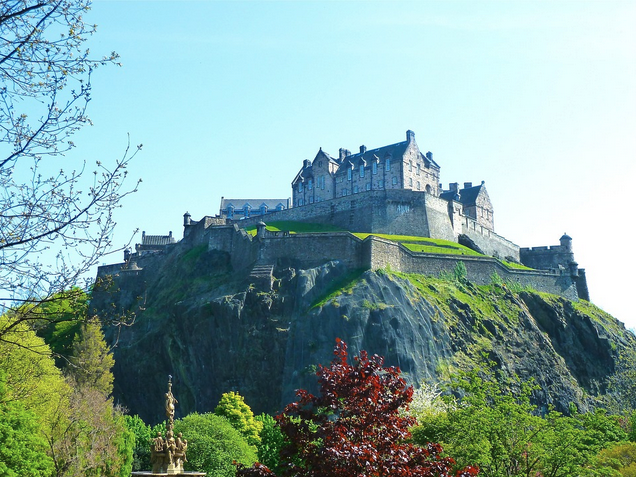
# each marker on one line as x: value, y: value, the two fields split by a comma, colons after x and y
x: 467, y: 195
x: 253, y: 203
x: 155, y: 240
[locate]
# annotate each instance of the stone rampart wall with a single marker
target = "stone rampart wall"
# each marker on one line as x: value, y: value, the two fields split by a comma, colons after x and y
x: 489, y: 242
x: 230, y: 238
x: 480, y: 270
x: 311, y: 250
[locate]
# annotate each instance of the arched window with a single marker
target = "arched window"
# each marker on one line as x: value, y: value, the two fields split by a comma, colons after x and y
x: 428, y: 188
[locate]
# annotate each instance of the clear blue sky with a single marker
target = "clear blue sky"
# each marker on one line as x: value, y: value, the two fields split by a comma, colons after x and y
x: 536, y: 98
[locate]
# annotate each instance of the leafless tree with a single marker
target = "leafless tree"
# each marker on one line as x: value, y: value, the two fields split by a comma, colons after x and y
x: 56, y: 218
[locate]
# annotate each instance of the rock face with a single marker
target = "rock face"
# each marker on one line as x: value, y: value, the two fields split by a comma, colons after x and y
x: 214, y: 332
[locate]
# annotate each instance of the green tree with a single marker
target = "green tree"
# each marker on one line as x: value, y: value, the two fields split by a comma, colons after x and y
x: 92, y: 360
x: 272, y: 441
x: 22, y: 447
x: 213, y: 444
x: 143, y: 434
x: 494, y: 425
x: 620, y: 457
x: 232, y: 406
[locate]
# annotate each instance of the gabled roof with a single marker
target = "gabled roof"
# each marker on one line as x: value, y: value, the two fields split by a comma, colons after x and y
x: 467, y: 196
x: 393, y: 150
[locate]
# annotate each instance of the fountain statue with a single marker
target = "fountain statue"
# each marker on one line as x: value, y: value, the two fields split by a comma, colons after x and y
x: 167, y: 454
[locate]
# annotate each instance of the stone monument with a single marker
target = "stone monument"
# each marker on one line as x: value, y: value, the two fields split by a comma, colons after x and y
x: 167, y: 454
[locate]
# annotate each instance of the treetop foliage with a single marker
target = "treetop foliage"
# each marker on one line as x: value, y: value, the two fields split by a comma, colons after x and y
x: 232, y: 406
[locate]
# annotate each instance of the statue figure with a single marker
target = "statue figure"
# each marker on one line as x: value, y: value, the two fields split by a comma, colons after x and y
x: 180, y: 453
x: 158, y: 454
x: 170, y: 402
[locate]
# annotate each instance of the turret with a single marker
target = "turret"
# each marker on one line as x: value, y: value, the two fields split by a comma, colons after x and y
x: 566, y: 243
x: 187, y: 219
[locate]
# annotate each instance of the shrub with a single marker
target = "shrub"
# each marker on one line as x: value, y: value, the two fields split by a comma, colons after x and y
x: 213, y: 444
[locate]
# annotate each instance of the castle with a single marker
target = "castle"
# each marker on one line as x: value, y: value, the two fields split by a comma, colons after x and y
x: 392, y: 190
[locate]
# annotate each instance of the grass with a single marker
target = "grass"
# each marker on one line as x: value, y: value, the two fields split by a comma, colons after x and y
x: 516, y: 266
x: 425, y: 244
x: 295, y: 227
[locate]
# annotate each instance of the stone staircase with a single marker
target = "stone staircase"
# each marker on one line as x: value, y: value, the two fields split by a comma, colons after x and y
x: 262, y: 275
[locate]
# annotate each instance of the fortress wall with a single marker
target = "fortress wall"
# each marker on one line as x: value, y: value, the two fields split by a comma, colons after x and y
x: 546, y: 257
x: 235, y: 241
x: 312, y: 249
x: 397, y: 211
x: 489, y: 241
x: 479, y: 269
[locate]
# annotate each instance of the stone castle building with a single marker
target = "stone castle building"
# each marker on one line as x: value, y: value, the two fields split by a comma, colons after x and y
x: 392, y: 190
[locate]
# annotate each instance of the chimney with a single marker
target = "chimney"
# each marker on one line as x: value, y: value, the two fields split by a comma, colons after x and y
x: 410, y: 136
x: 453, y: 186
x: 363, y: 149
x: 429, y: 155
x: 306, y: 163
x: 468, y: 185
x: 170, y: 234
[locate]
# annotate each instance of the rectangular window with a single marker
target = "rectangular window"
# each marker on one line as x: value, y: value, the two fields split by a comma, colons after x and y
x: 380, y: 184
x: 375, y: 167
x: 394, y: 181
x: 418, y: 169
x: 311, y: 200
x: 300, y: 187
x: 309, y: 184
x: 387, y: 164
x: 410, y: 166
x: 349, y: 174
x: 361, y: 170
x: 368, y: 186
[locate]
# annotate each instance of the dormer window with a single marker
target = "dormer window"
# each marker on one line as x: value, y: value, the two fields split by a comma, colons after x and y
x: 263, y: 209
x: 230, y: 212
x: 246, y: 211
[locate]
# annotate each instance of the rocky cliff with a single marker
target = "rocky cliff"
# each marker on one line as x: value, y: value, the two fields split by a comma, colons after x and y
x: 215, y: 331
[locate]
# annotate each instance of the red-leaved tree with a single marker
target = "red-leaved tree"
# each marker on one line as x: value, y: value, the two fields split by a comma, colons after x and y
x: 354, y: 428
